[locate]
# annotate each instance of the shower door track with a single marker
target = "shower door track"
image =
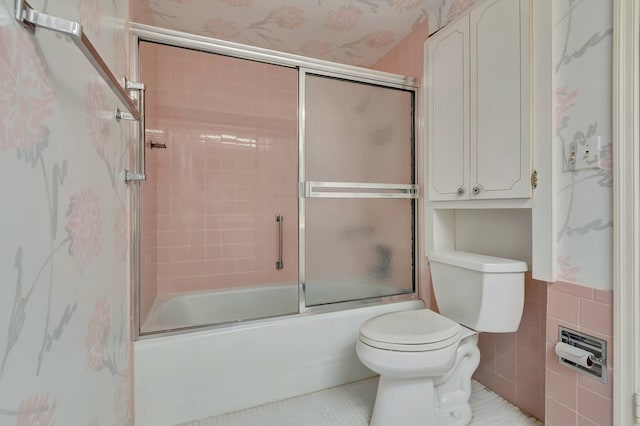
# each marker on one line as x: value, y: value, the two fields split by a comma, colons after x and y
x: 141, y: 32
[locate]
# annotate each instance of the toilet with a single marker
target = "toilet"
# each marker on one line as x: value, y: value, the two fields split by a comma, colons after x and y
x: 426, y: 359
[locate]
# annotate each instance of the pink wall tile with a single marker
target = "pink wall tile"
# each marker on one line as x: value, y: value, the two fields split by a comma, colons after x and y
x: 150, y: 219
x: 603, y: 389
x: 573, y: 289
x: 603, y: 296
x: 595, y: 407
x: 593, y: 400
x: 230, y: 166
x: 583, y: 421
x: 559, y: 415
x: 564, y: 307
x: 513, y: 364
x: 563, y: 389
x: 596, y: 316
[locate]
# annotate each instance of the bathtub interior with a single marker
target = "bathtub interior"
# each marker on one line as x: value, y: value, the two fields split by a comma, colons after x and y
x: 206, y: 308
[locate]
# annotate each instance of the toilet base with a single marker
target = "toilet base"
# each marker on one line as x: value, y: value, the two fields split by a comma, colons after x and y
x: 435, y: 401
x: 453, y: 389
x: 396, y: 402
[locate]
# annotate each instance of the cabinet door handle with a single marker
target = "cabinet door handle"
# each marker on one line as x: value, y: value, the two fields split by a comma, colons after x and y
x: 460, y: 191
x: 476, y: 190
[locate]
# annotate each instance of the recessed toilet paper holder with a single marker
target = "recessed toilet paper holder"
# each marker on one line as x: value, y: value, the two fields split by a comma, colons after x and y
x: 582, y: 353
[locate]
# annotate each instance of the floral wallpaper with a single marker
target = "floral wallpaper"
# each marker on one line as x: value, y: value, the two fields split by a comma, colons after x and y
x: 65, y: 351
x: 354, y: 32
x: 583, y: 57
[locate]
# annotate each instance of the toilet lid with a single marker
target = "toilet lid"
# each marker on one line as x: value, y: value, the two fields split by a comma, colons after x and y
x: 419, y: 330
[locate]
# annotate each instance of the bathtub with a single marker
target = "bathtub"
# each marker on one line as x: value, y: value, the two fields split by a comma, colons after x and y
x: 172, y: 311
x: 205, y: 373
x: 220, y: 306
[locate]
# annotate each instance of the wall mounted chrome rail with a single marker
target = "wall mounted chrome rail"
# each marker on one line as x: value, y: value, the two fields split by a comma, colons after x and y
x: 358, y: 190
x: 32, y: 19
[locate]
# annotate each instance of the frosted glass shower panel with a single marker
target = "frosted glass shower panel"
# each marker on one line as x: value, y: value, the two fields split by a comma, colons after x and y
x: 358, y: 249
x: 357, y: 132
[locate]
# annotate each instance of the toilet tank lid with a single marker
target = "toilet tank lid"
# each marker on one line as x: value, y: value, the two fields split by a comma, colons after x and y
x: 477, y: 262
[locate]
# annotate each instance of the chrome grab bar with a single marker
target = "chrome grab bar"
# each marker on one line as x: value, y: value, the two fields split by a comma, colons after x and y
x: 279, y: 220
x: 32, y: 19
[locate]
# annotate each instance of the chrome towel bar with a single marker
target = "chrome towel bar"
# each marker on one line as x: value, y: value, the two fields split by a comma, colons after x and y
x: 32, y: 19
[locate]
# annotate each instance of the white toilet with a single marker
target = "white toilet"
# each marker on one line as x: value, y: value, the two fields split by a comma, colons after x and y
x: 425, y: 359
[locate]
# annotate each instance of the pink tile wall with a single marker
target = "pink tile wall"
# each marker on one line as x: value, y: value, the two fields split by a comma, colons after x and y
x: 149, y: 210
x: 513, y: 364
x: 230, y: 167
x: 572, y: 398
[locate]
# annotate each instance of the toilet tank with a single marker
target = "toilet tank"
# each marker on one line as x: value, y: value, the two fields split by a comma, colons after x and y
x: 484, y: 293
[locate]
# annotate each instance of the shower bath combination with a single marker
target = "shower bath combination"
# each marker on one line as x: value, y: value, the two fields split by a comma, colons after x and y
x: 233, y: 142
x: 281, y: 215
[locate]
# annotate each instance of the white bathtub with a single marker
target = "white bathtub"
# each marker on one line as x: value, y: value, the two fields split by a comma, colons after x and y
x: 195, y: 375
x: 182, y: 310
x: 220, y: 306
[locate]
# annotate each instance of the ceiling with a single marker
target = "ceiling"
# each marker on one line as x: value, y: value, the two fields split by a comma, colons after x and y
x: 354, y: 32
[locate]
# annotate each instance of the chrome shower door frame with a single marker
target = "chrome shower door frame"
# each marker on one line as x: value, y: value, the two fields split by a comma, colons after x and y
x: 309, y: 189
x: 304, y: 65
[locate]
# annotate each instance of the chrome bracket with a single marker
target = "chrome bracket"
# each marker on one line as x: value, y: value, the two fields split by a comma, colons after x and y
x: 122, y: 115
x: 132, y: 85
x: 133, y: 177
x: 24, y: 15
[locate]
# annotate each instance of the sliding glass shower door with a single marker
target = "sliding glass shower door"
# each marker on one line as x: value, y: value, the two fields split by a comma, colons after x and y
x: 359, y: 190
x: 219, y: 209
x: 271, y: 189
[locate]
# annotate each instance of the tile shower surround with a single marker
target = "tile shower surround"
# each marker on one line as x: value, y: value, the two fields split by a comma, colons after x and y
x: 149, y: 211
x: 219, y: 186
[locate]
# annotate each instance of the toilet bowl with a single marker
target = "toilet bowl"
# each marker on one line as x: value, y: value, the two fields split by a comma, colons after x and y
x: 412, y: 351
x: 426, y: 359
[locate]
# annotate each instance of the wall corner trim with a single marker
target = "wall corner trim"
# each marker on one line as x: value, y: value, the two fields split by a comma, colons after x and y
x: 626, y: 214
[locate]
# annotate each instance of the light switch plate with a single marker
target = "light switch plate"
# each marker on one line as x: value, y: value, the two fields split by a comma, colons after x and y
x: 583, y: 155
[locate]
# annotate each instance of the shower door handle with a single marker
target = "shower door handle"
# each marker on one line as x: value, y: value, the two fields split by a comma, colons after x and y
x: 279, y: 220
x: 140, y: 173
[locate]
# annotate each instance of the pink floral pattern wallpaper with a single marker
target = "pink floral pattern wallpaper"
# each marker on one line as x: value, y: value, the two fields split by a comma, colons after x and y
x: 65, y: 351
x: 357, y: 32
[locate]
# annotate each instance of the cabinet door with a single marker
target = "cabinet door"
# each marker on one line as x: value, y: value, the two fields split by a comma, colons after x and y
x: 500, y: 100
x: 447, y: 94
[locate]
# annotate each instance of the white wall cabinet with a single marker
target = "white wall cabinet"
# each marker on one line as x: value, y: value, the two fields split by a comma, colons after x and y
x: 478, y: 94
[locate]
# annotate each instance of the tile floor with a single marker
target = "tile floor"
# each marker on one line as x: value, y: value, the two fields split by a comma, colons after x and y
x: 352, y: 404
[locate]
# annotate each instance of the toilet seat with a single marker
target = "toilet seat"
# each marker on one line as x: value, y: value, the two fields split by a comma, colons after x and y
x: 410, y: 331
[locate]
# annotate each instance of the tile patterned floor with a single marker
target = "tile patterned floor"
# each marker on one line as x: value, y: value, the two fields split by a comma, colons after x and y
x: 352, y: 404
